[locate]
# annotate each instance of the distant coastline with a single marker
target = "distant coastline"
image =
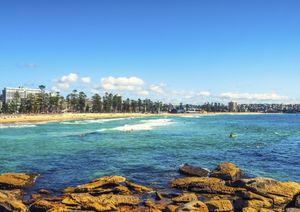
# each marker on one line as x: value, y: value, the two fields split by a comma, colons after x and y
x: 18, y: 118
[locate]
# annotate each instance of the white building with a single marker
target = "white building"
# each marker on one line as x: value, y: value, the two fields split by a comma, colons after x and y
x: 9, y: 94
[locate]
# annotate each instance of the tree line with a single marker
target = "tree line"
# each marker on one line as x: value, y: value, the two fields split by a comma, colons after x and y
x: 77, y: 101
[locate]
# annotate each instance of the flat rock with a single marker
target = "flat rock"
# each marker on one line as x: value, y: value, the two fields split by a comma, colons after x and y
x: 10, y: 201
x: 253, y: 200
x: 16, y: 180
x: 137, y: 187
x: 193, y: 171
x: 187, y: 182
x: 100, y: 182
x: 219, y: 205
x: 194, y: 206
x: 248, y: 209
x: 107, y: 202
x: 279, y: 192
x: 214, y: 188
x: 185, y: 197
x: 227, y: 171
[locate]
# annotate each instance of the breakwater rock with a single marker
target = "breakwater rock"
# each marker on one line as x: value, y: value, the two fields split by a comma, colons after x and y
x: 222, y: 189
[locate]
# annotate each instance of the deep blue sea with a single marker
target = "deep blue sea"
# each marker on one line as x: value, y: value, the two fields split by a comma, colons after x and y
x: 150, y: 150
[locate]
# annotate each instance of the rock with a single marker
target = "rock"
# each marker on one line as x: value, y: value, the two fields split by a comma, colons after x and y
x: 194, y: 206
x: 297, y: 201
x: 268, y: 210
x: 193, y: 171
x: 185, y: 197
x: 248, y: 209
x: 46, y: 205
x: 214, y: 188
x: 10, y: 201
x: 292, y: 210
x: 227, y: 171
x: 99, y: 182
x: 187, y: 182
x: 137, y: 188
x: 219, y: 205
x: 153, y: 207
x: 279, y: 192
x: 69, y: 190
x: 16, y: 180
x: 44, y: 191
x: 250, y: 199
x: 107, y: 202
x: 171, y: 208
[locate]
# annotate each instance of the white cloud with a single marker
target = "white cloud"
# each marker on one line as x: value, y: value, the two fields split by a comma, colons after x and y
x: 203, y: 93
x: 253, y: 96
x: 158, y: 89
x: 143, y: 93
x: 64, y: 82
x: 70, y: 78
x: 86, y: 80
x: 122, y: 83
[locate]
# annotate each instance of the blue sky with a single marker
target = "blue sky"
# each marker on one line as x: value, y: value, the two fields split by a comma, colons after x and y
x: 191, y: 51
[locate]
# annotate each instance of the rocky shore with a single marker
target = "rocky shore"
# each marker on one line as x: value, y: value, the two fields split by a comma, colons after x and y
x: 198, y: 190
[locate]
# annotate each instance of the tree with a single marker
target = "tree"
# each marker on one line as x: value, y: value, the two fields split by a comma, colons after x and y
x: 96, y: 103
x: 82, y: 102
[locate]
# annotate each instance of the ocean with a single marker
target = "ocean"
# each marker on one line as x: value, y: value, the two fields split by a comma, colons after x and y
x: 150, y: 150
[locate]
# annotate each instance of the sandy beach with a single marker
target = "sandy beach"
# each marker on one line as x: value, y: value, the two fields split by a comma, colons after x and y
x: 14, y: 118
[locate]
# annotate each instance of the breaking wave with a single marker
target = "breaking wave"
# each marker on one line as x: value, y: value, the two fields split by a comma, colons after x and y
x: 4, y: 126
x: 142, y: 125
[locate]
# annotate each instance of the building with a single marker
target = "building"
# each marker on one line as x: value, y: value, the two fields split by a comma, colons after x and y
x: 9, y: 94
x: 233, y: 107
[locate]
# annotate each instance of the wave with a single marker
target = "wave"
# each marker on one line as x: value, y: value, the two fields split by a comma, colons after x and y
x: 191, y: 116
x: 92, y: 121
x: 142, y: 125
x: 4, y: 126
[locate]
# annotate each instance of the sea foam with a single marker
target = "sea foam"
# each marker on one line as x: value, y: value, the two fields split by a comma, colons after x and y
x: 4, y: 126
x: 142, y: 125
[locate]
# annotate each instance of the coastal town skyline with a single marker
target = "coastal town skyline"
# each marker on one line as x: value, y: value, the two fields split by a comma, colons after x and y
x: 196, y: 52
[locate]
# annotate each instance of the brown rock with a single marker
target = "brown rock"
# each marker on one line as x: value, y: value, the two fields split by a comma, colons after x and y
x: 16, y: 180
x: 185, y: 197
x: 171, y: 208
x: 214, y: 188
x: 248, y: 209
x: 194, y: 206
x: 253, y: 200
x: 297, y: 201
x: 99, y: 182
x: 69, y: 190
x: 10, y: 201
x: 219, y: 205
x: 44, y: 191
x: 292, y: 210
x: 279, y: 192
x: 193, y: 171
x: 227, y: 171
x: 137, y: 188
x: 105, y: 202
x: 187, y: 182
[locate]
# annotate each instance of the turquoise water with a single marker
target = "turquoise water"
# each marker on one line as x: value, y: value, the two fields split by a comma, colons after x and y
x: 150, y: 150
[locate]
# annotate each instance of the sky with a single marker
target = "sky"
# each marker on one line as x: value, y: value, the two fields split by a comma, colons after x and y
x: 173, y: 50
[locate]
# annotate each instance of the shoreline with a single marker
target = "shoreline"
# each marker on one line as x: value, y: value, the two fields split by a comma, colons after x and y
x: 224, y: 188
x: 29, y: 118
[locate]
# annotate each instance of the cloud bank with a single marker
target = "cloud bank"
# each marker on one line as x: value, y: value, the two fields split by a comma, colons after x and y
x: 133, y: 86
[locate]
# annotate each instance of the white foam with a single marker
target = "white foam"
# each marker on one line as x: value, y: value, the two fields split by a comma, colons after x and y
x: 3, y: 126
x: 144, y: 125
x: 91, y: 121
x: 191, y: 116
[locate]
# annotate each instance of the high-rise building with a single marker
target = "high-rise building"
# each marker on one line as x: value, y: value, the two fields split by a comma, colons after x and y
x: 8, y: 94
x: 233, y: 107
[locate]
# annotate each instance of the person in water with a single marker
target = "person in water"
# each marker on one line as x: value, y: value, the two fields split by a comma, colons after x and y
x: 232, y: 135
